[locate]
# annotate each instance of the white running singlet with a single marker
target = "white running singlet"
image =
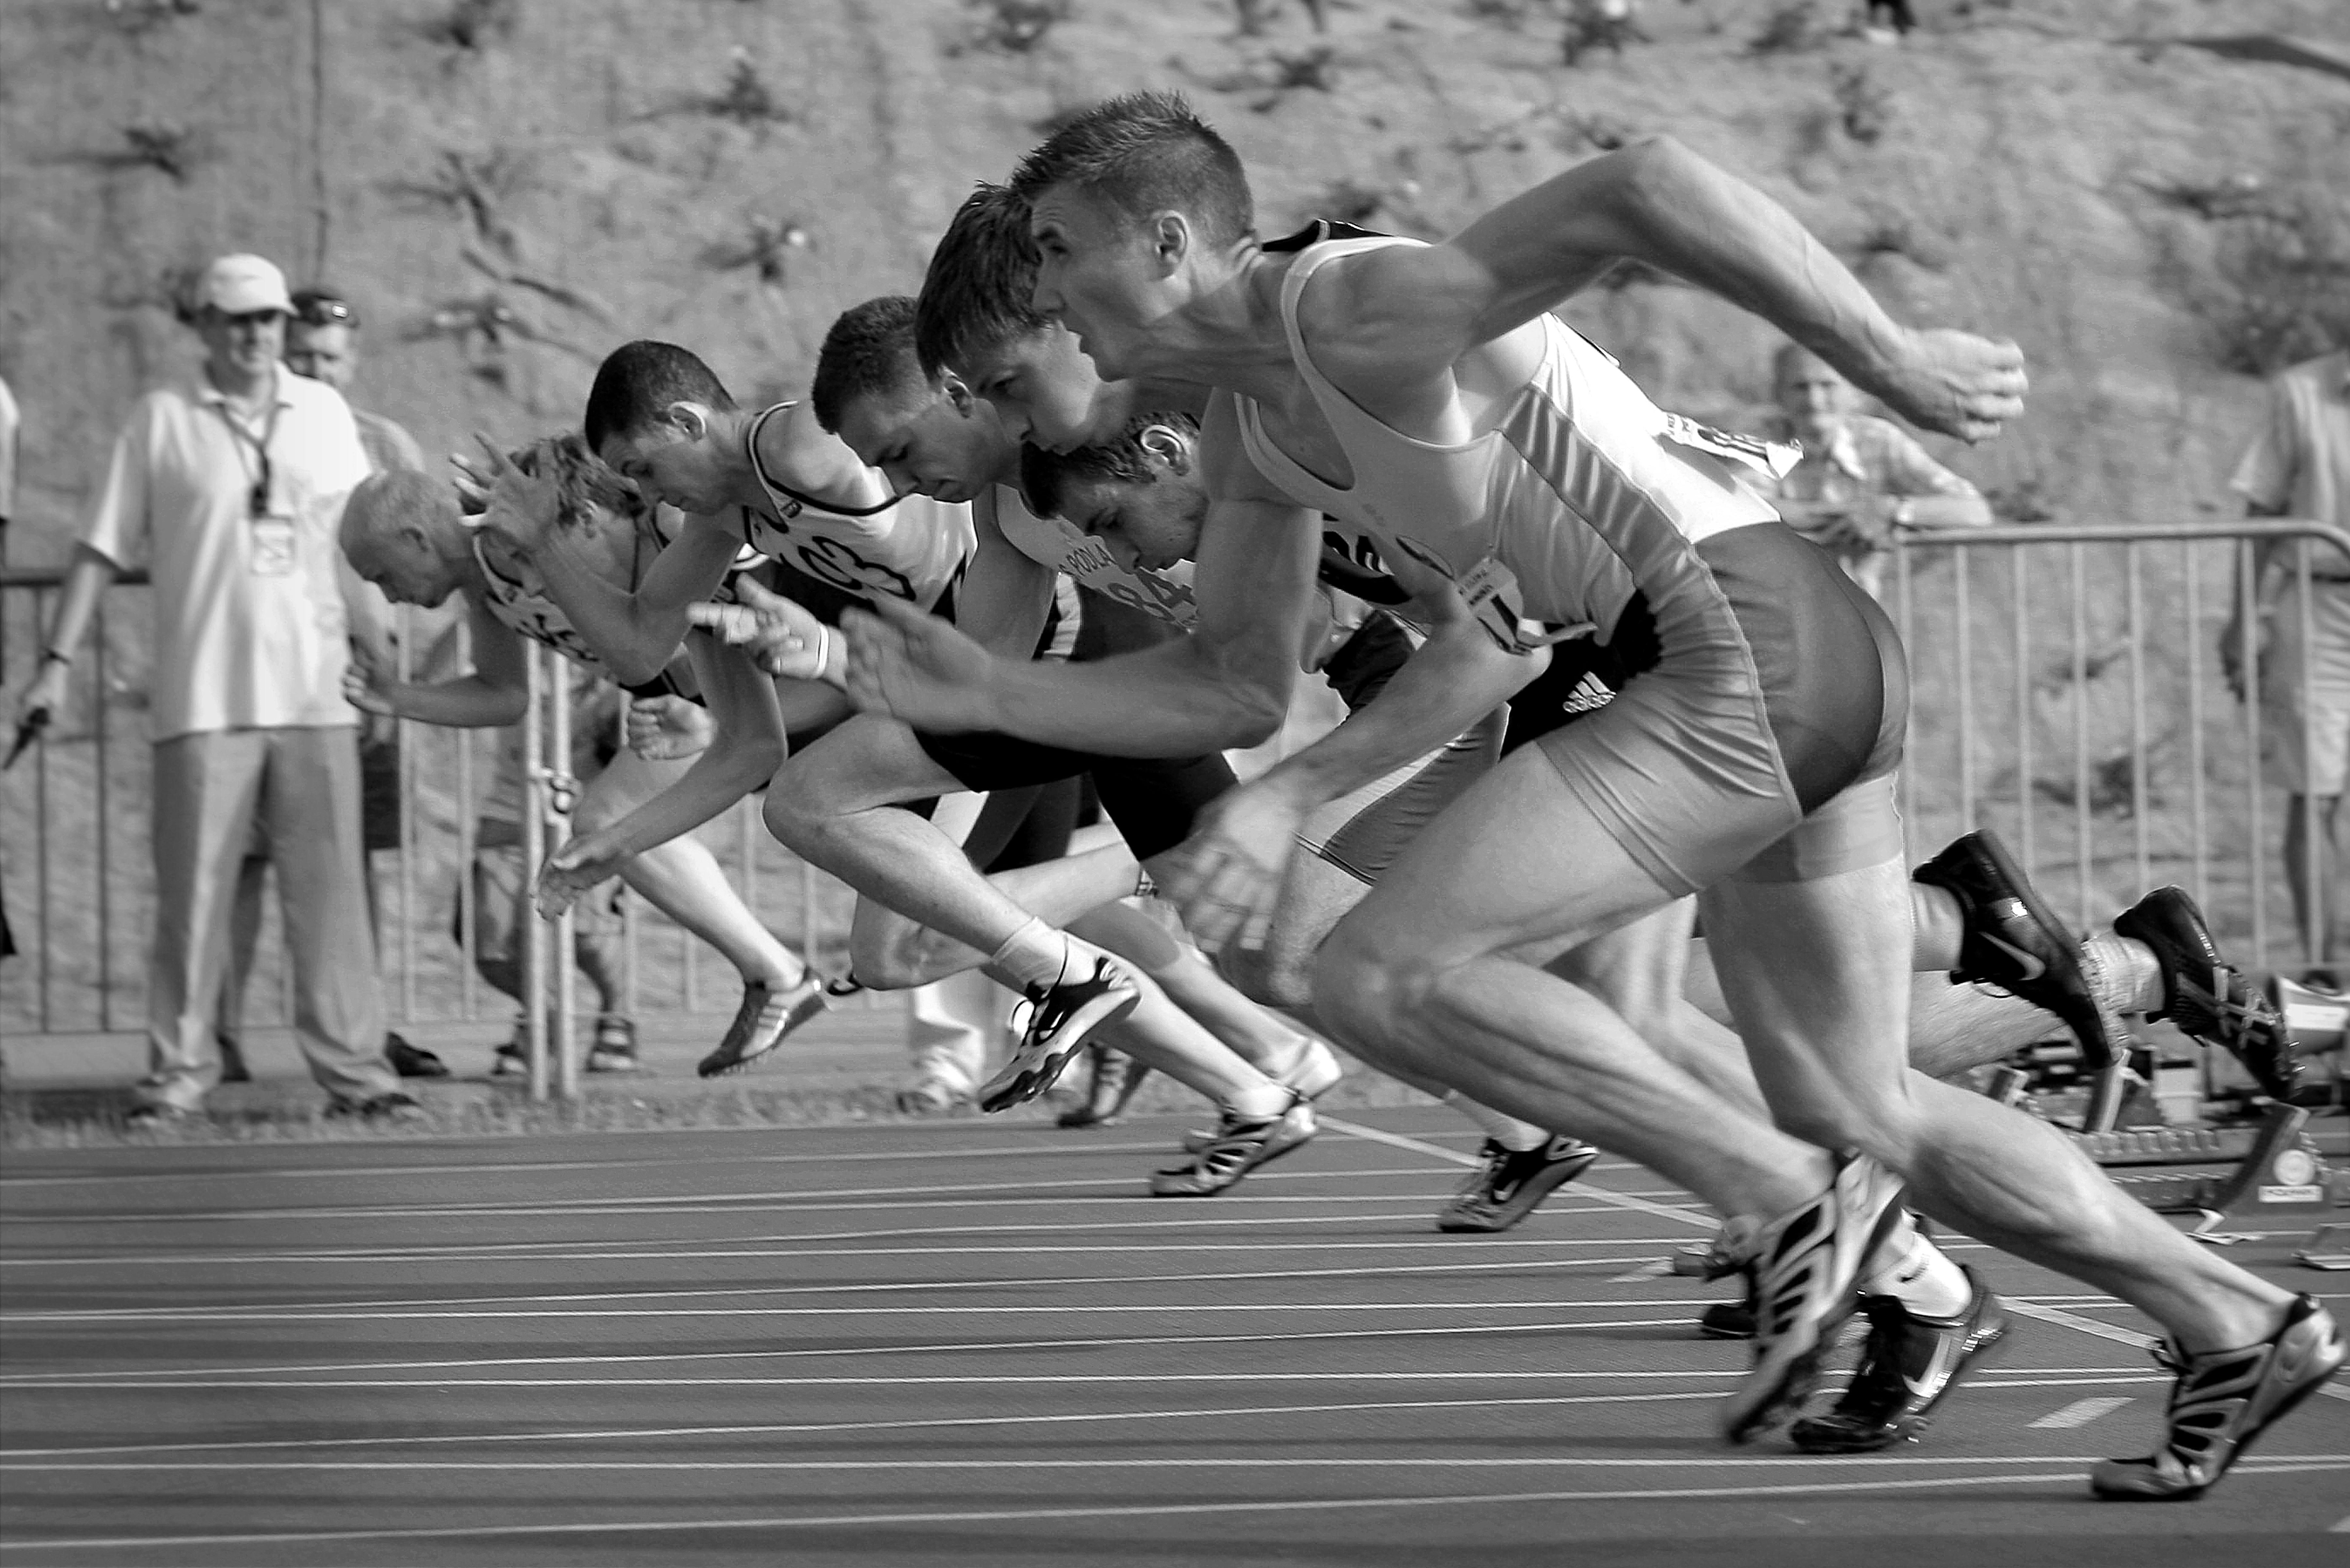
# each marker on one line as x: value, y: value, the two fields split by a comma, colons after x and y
x: 909, y: 548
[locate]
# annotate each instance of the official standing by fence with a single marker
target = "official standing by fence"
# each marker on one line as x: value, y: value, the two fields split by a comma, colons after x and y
x: 233, y: 485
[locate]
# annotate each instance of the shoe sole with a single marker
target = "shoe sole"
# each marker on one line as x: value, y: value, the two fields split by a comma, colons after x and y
x: 2080, y: 1015
x: 1810, y: 1440
x: 722, y: 1062
x: 1025, y: 1083
x: 1527, y: 1198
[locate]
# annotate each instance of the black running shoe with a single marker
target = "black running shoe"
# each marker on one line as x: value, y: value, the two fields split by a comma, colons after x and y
x: 1117, y: 1078
x: 385, y: 1109
x: 2014, y: 940
x: 2205, y: 997
x: 764, y: 1021
x: 2222, y: 1402
x: 1804, y: 1267
x: 1059, y: 1018
x: 412, y: 1061
x: 1907, y: 1364
x: 1241, y: 1146
x: 1729, y: 1320
x: 1511, y: 1183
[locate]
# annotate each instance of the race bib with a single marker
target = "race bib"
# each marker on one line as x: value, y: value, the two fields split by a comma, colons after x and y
x: 1491, y: 591
x: 273, y: 548
x: 1772, y: 457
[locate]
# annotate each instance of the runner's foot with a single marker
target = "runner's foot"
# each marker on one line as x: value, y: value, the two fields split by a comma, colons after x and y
x: 2204, y: 996
x: 2014, y: 941
x: 1059, y: 1018
x: 1907, y: 1364
x: 764, y: 1021
x: 1241, y: 1146
x: 2222, y: 1401
x: 1511, y: 1183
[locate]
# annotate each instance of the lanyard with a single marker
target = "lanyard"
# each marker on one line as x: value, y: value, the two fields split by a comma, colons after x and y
x: 257, y: 498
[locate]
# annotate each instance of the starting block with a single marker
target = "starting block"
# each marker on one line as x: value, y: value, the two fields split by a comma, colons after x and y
x: 2267, y: 1172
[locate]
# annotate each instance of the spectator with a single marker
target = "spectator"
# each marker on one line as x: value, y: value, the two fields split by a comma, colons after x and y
x: 322, y: 343
x: 1861, y: 477
x: 233, y: 484
x: 2299, y: 466
x: 10, y: 422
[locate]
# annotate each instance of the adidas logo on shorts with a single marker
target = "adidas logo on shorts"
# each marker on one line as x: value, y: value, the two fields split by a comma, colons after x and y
x: 1589, y: 693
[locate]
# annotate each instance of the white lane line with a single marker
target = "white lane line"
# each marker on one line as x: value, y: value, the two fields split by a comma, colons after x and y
x: 440, y: 1386
x: 1661, y: 1269
x: 1026, y: 1309
x: 1251, y: 1462
x: 643, y: 1434
x: 2079, y: 1413
x: 1621, y: 1200
x: 2069, y: 1475
x: 2085, y: 1324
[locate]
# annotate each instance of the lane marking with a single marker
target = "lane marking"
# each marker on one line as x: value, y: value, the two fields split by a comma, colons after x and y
x: 1453, y: 1156
x: 1090, y: 1462
x: 438, y: 1386
x: 2079, y: 1413
x: 1661, y: 1269
x: 718, y: 1202
x: 642, y: 1434
x: 2119, y: 1335
x: 2069, y: 1477
x: 886, y: 1309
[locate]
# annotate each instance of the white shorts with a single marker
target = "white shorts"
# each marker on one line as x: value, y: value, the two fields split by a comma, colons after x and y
x: 2305, y: 691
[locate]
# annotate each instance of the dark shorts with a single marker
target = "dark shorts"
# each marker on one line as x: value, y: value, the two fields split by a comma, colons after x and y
x: 1152, y: 801
x: 379, y: 795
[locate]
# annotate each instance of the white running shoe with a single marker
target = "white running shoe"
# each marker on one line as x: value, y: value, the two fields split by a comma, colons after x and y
x: 1059, y: 1018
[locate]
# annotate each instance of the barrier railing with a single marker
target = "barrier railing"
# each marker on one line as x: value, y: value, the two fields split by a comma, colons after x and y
x: 78, y: 880
x: 2112, y: 760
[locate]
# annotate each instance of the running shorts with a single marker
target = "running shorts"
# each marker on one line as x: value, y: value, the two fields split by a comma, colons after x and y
x: 1152, y: 801
x: 1763, y: 742
x: 1362, y: 833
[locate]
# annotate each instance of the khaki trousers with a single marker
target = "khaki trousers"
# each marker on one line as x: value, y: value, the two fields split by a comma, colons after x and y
x: 300, y: 787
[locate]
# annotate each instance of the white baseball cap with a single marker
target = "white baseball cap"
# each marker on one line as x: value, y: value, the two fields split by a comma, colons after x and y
x: 241, y: 284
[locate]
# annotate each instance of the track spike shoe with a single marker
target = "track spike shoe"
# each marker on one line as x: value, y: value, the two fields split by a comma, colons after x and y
x: 2205, y: 997
x: 1907, y: 1364
x: 2013, y: 940
x: 1241, y: 1145
x: 764, y: 1021
x: 1803, y: 1267
x: 2222, y: 1401
x: 1511, y: 1183
x: 1117, y: 1078
x: 1059, y: 1018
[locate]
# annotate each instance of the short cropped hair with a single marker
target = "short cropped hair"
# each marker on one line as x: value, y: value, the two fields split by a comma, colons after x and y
x: 636, y: 382
x: 382, y: 501
x: 975, y: 295
x: 1143, y: 153
x: 1046, y: 477
x: 868, y: 352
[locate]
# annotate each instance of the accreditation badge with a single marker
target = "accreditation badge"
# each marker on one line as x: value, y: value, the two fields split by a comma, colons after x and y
x: 274, y: 553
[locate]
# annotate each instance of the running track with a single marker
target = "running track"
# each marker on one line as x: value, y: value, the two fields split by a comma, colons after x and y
x: 975, y: 1344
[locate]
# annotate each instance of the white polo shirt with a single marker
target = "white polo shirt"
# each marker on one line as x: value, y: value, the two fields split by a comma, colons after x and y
x: 236, y: 646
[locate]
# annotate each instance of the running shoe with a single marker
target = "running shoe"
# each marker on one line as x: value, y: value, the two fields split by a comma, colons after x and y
x: 2204, y: 996
x: 2014, y: 939
x: 412, y: 1061
x: 1059, y: 1018
x: 1803, y: 1267
x: 2224, y: 1400
x: 764, y: 1021
x: 1729, y: 1320
x: 1511, y: 1183
x: 1117, y: 1078
x: 1314, y: 1073
x: 613, y: 1048
x: 1908, y: 1363
x: 383, y: 1109
x: 931, y: 1098
x: 1241, y: 1146
x: 512, y: 1060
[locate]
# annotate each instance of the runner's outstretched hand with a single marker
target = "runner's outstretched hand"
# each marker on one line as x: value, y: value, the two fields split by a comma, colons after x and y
x: 916, y: 666
x: 1227, y: 877
x: 783, y: 637
x: 1955, y: 382
x: 580, y: 865
x: 520, y: 508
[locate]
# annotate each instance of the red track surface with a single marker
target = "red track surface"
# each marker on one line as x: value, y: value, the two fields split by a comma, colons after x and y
x: 976, y: 1344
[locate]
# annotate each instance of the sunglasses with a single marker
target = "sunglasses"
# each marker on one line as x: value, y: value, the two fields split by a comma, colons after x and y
x: 327, y: 313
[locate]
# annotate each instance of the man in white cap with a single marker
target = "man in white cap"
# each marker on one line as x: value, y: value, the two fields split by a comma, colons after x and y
x: 234, y: 484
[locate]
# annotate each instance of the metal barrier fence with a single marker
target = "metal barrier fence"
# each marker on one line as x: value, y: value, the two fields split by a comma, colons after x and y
x: 2112, y: 761
x: 78, y: 884
x: 2067, y: 691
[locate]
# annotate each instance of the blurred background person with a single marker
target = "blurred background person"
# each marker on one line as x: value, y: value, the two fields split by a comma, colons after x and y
x: 1861, y: 477
x: 233, y: 484
x: 2298, y: 465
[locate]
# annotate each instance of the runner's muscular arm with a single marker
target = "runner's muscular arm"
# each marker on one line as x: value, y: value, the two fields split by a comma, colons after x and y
x: 1659, y: 202
x: 1227, y: 684
x: 636, y: 634
x: 491, y: 698
x: 1452, y: 680
x: 1005, y: 598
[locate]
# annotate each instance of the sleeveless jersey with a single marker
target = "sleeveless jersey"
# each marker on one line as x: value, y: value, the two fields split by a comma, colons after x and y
x: 1581, y: 495
x: 909, y: 548
x: 1062, y: 546
x: 525, y: 608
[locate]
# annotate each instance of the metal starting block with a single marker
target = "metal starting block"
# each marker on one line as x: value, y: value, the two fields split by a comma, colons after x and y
x: 2267, y: 1172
